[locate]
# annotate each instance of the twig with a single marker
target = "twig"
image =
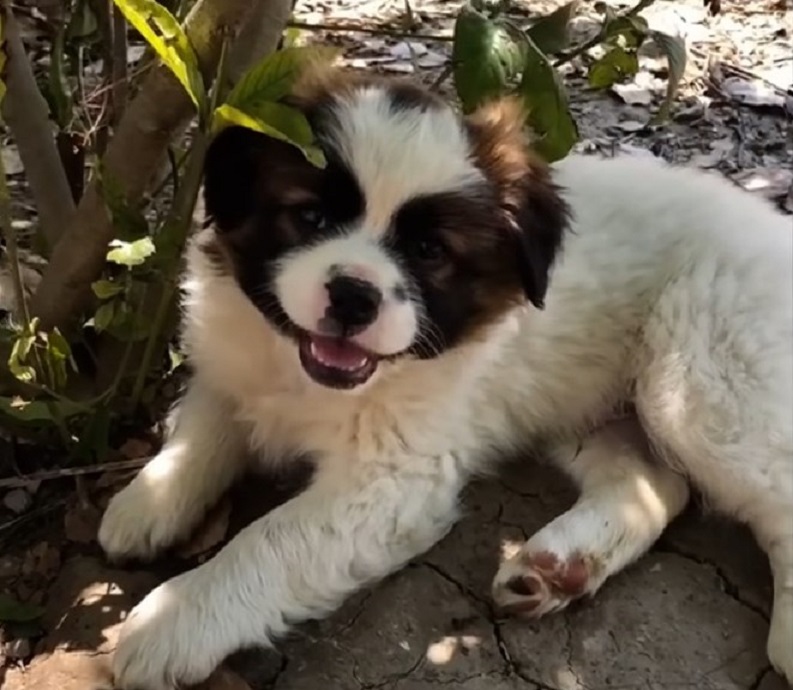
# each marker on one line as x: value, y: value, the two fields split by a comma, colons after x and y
x: 27, y: 115
x: 48, y: 475
x: 180, y: 220
x: 600, y: 36
x: 32, y: 514
x: 375, y: 31
x: 119, y: 65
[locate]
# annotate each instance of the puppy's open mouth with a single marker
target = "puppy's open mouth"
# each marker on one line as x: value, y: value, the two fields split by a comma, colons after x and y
x: 336, y: 362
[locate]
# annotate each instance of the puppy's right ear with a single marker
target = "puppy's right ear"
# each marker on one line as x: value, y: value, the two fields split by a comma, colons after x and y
x: 231, y: 175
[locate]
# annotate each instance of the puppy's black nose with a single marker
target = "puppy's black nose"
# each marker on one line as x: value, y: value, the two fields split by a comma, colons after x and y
x: 354, y: 303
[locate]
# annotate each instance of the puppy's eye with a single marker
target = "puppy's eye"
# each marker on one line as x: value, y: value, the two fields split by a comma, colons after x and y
x: 428, y: 250
x: 311, y: 216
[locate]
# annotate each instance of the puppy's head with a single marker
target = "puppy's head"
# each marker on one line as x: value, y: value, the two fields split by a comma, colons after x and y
x: 423, y: 229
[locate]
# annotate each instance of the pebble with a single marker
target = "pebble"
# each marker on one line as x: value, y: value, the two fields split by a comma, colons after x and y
x: 17, y: 501
x: 17, y: 649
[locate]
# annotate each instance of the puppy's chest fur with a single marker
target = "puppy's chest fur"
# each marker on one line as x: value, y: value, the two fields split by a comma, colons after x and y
x: 488, y: 398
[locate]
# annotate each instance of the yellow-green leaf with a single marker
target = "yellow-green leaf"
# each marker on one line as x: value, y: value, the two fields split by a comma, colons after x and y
x: 17, y: 360
x: 131, y: 253
x: 163, y: 33
x: 283, y: 116
x: 105, y: 289
x: 273, y: 77
x: 104, y: 316
x: 615, y: 65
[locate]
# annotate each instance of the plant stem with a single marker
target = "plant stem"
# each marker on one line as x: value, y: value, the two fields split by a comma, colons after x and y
x: 601, y: 35
x: 180, y: 219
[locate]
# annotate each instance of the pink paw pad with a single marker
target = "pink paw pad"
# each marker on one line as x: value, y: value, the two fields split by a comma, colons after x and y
x: 542, y: 582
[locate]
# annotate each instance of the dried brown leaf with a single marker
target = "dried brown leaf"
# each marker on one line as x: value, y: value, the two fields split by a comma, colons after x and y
x: 81, y: 522
x: 135, y: 448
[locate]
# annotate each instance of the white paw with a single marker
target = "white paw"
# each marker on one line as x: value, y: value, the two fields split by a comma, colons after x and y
x: 538, y: 581
x: 138, y: 522
x: 780, y: 638
x: 164, y: 643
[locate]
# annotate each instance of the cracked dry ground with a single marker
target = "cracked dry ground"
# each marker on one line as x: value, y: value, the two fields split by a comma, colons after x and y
x: 691, y: 614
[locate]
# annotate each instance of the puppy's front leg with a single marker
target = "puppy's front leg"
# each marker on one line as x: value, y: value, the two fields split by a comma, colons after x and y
x: 627, y: 499
x: 203, y: 454
x: 353, y: 525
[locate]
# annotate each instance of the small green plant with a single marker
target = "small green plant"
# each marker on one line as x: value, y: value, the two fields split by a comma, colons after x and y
x: 493, y: 55
x: 136, y: 296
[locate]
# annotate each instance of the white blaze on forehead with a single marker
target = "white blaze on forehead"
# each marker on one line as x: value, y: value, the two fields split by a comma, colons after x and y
x: 398, y: 154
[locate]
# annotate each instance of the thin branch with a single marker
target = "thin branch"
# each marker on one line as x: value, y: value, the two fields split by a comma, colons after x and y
x: 375, y: 31
x: 119, y: 64
x: 48, y: 475
x: 27, y: 115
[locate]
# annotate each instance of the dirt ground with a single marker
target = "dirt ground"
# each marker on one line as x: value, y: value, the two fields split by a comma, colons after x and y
x: 692, y: 614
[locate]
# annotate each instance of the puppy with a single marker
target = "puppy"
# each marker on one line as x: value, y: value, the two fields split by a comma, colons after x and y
x: 405, y: 315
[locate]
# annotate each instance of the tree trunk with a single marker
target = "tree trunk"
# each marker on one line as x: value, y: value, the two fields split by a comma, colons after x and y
x: 158, y: 112
x: 28, y: 118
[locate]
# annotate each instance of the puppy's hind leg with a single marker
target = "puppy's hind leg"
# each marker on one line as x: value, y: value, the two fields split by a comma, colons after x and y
x: 626, y: 501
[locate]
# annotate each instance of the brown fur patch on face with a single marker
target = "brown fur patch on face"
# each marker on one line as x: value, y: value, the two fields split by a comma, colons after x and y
x: 532, y: 203
x: 458, y: 248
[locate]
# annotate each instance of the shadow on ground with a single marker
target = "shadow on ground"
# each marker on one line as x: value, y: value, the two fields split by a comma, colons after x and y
x: 691, y: 614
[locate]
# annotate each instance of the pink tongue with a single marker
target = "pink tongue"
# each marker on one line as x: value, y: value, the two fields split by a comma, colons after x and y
x: 338, y: 353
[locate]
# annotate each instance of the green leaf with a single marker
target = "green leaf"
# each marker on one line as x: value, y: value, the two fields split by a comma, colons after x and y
x: 485, y: 58
x: 614, y: 66
x: 131, y: 253
x: 105, y: 289
x: 674, y: 47
x: 163, y: 33
x: 551, y: 34
x: 546, y: 101
x: 37, y: 411
x: 58, y: 353
x: 104, y: 316
x: 290, y: 119
x: 14, y: 611
x: 274, y: 77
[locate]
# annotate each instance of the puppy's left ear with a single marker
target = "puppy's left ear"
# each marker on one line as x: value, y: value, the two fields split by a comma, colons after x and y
x: 535, y: 210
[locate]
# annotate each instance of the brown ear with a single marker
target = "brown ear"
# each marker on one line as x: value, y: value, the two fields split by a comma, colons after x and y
x: 532, y: 202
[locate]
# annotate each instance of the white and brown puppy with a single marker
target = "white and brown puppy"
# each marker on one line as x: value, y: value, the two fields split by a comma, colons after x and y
x: 395, y: 316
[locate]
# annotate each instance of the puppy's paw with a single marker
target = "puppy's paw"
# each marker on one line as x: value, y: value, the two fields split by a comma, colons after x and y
x: 780, y: 638
x: 538, y: 581
x: 138, y: 523
x: 163, y: 645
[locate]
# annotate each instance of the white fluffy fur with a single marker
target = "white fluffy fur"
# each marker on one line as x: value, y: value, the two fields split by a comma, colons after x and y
x: 674, y: 292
